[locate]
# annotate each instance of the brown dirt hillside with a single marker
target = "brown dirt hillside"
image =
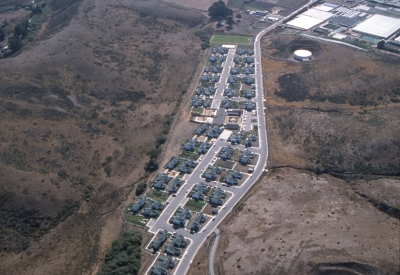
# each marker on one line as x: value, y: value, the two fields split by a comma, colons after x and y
x: 335, y: 119
x: 336, y: 114
x: 297, y: 223
x: 79, y: 112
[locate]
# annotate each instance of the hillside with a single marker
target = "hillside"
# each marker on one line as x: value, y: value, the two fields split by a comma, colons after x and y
x: 330, y: 202
x: 81, y: 109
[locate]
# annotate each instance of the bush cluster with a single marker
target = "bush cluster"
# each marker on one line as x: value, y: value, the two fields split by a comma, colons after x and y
x: 124, y: 255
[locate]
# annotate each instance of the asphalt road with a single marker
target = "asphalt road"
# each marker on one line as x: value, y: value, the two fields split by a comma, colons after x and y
x: 219, y: 93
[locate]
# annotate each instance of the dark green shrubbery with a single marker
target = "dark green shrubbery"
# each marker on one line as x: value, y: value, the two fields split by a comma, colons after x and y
x: 292, y: 87
x: 205, y: 38
x: 141, y: 188
x: 124, y: 255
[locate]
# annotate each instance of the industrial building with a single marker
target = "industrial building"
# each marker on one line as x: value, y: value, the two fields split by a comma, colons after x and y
x: 379, y: 26
x: 302, y: 55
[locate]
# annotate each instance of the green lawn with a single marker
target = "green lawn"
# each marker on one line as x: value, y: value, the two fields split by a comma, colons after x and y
x: 189, y: 155
x: 194, y: 205
x: 135, y: 219
x: 231, y: 39
x: 157, y: 195
x: 197, y: 110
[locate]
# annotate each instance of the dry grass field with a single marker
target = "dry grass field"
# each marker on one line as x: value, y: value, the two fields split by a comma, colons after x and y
x: 330, y: 204
x: 297, y: 223
x: 80, y: 110
x: 336, y: 114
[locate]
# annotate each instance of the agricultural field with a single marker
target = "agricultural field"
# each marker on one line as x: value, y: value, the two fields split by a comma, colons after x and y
x: 227, y: 39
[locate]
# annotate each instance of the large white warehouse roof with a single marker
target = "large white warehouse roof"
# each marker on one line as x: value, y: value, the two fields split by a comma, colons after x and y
x: 318, y: 14
x: 379, y: 25
x: 304, y: 22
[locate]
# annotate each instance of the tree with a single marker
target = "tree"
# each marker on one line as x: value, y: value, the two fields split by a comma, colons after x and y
x: 2, y: 35
x: 219, y: 11
x: 160, y: 140
x: 14, y: 43
x: 239, y: 15
x: 229, y: 21
x: 151, y: 166
x: 381, y: 44
x: 21, y: 30
x: 140, y: 188
x: 36, y: 10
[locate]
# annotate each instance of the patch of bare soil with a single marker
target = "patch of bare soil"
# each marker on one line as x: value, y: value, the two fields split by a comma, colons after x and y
x: 80, y: 111
x: 298, y: 223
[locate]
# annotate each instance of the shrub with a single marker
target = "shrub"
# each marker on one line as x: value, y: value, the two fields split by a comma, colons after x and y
x: 204, y: 37
x: 124, y: 255
x: 141, y: 188
x: 160, y: 140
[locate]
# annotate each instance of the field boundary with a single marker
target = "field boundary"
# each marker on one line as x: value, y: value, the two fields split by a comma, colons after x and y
x: 230, y: 39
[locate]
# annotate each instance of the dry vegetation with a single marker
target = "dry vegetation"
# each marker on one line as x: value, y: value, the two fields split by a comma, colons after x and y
x: 336, y: 114
x: 335, y: 119
x: 297, y: 223
x: 80, y: 111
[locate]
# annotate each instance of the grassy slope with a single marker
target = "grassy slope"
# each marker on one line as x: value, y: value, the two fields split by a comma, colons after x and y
x: 80, y: 110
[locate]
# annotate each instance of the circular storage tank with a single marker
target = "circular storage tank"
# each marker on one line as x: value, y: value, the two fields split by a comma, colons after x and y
x: 302, y: 55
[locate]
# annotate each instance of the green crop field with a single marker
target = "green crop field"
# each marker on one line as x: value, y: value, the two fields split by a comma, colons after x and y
x: 231, y: 39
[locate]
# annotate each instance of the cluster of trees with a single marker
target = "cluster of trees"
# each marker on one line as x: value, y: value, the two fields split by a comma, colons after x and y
x: 124, y: 255
x: 2, y: 35
x: 140, y: 189
x: 21, y: 30
x: 205, y: 38
x: 219, y: 11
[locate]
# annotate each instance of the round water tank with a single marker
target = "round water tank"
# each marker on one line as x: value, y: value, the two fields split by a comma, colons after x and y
x: 302, y: 55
